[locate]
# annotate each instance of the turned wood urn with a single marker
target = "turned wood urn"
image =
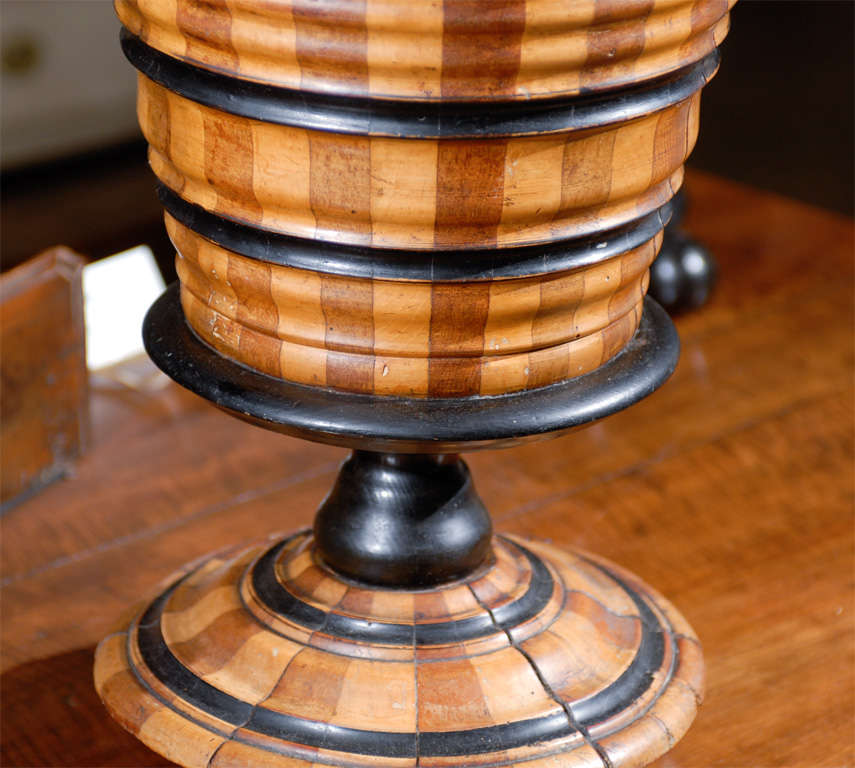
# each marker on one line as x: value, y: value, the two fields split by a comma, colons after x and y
x: 413, y: 229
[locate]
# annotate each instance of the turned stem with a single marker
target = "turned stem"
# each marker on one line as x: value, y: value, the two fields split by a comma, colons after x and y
x: 403, y: 520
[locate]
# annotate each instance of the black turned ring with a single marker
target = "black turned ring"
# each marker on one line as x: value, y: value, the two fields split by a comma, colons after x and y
x: 461, y: 265
x: 410, y: 425
x: 414, y: 119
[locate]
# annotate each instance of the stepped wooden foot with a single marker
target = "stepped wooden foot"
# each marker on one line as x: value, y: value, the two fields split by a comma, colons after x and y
x: 263, y: 656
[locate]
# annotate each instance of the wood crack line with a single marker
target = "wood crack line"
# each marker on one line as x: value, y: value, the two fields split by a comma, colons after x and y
x: 601, y: 753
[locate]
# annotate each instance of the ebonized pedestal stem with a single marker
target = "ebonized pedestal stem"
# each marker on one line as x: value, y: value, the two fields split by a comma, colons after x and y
x: 403, y: 520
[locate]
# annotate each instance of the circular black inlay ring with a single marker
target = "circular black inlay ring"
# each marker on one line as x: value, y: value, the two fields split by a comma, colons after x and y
x: 276, y: 598
x: 410, y: 425
x: 463, y: 265
x: 413, y: 119
x: 187, y: 686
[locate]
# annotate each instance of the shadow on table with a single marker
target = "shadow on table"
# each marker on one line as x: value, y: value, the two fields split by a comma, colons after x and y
x: 53, y: 717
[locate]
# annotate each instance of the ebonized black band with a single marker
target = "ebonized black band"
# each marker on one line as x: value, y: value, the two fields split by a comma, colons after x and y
x: 410, y: 425
x: 279, y: 600
x: 635, y: 680
x: 464, y: 265
x: 413, y: 119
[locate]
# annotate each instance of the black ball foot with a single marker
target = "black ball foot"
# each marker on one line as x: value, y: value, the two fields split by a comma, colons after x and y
x: 684, y: 273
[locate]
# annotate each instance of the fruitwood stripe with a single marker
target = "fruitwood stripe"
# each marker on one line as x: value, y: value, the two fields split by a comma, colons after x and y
x: 325, y: 27
x: 482, y: 59
x: 348, y: 310
x: 613, y: 44
x: 206, y: 28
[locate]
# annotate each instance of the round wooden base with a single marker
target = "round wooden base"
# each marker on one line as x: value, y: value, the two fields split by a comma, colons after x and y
x: 262, y: 656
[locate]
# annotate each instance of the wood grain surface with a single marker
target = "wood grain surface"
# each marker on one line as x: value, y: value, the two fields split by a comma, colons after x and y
x: 453, y: 50
x: 730, y: 490
x: 416, y: 193
x: 410, y: 338
x: 432, y: 677
x: 43, y: 378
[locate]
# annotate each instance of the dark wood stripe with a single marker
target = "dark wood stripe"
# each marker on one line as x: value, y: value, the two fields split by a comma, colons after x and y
x: 482, y: 57
x: 206, y: 24
x: 251, y: 282
x: 457, y: 327
x: 331, y: 26
x: 469, y: 206
x: 228, y: 166
x: 457, y: 339
x: 671, y: 140
x: 555, y: 296
x: 610, y: 40
x: 348, y: 308
x: 340, y: 184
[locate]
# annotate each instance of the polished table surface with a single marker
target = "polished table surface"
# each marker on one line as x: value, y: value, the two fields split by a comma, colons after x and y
x: 730, y: 490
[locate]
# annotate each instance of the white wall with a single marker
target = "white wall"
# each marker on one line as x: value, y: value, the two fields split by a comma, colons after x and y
x: 79, y: 94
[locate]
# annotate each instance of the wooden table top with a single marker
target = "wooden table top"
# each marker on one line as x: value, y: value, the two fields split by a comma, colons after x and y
x: 730, y: 490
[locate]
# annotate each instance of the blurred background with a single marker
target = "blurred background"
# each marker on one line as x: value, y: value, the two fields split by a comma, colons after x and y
x: 778, y: 116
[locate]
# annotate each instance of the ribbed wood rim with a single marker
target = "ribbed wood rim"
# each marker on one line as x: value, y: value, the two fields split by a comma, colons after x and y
x: 406, y: 119
x: 464, y: 265
x: 422, y: 425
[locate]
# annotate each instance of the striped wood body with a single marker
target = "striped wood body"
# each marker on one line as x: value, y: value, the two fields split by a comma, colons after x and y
x: 246, y: 659
x: 401, y: 187
x: 430, y: 194
x: 431, y: 50
x: 410, y: 338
